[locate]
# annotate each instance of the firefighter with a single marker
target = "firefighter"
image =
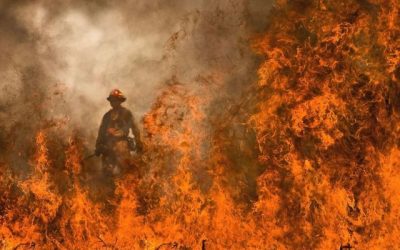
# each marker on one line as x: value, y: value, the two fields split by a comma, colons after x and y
x: 113, y: 142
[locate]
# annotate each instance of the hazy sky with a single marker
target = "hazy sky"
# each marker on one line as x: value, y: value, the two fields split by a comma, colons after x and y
x: 68, y: 55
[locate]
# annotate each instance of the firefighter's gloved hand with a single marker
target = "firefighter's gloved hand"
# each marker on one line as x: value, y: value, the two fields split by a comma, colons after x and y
x: 98, y: 152
x: 139, y: 147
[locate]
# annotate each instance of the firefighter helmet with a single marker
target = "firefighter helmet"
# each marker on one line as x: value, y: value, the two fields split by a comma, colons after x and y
x: 116, y: 94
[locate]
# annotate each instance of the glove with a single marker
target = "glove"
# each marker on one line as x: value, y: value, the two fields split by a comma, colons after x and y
x: 139, y: 147
x: 98, y: 152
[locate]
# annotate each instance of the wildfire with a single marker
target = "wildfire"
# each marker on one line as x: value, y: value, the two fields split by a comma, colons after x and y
x: 330, y: 122
x: 312, y: 162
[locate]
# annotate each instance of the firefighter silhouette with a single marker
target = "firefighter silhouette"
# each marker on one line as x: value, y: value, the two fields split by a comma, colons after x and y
x: 113, y: 142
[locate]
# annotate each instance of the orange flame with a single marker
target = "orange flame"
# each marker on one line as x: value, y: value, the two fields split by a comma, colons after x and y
x: 311, y: 162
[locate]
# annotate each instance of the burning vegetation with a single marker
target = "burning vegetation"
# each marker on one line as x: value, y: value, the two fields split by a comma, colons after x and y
x: 308, y: 157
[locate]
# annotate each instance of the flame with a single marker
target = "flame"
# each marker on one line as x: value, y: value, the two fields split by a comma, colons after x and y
x: 310, y: 161
x: 328, y: 129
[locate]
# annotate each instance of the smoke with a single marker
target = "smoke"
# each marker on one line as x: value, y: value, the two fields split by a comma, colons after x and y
x: 322, y: 119
x: 68, y: 55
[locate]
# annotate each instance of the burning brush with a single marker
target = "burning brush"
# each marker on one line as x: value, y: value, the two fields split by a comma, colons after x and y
x: 311, y: 160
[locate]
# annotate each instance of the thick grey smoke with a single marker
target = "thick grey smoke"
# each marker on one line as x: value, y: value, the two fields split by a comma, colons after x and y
x: 60, y: 59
